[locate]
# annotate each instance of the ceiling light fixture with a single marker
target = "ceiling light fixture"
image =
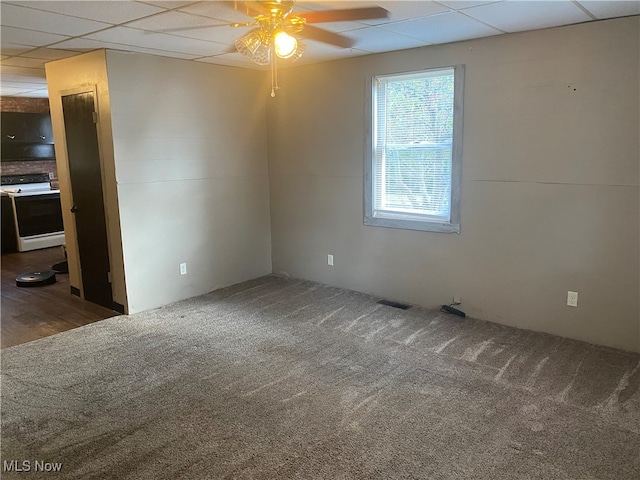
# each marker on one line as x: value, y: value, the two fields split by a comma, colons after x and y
x: 273, y: 38
x: 277, y: 27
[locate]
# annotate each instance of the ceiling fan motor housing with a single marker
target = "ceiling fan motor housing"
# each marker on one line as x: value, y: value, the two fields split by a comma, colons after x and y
x: 279, y: 9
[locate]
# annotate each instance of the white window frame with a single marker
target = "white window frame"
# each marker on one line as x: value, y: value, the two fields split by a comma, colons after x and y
x: 414, y: 221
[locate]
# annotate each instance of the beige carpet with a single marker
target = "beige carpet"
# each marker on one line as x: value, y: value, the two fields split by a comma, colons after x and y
x: 281, y: 378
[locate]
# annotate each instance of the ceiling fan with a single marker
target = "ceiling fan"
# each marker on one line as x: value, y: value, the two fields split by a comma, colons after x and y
x: 277, y: 29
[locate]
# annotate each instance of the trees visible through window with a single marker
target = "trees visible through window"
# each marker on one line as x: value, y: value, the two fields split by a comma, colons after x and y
x: 414, y: 158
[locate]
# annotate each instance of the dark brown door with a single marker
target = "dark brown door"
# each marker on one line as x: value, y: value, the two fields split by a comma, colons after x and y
x: 88, y: 205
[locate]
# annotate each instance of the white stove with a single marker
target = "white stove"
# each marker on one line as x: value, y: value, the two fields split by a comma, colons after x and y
x: 36, y: 210
x: 21, y: 189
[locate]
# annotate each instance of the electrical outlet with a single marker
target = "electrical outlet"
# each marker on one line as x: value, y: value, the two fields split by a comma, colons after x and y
x: 457, y: 299
x: 183, y: 269
x: 572, y: 299
x: 330, y: 260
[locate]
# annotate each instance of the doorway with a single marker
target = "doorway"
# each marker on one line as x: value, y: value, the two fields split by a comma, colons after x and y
x: 32, y: 313
x: 79, y: 115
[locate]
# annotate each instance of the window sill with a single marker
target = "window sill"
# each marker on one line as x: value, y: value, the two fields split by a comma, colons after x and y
x: 421, y: 225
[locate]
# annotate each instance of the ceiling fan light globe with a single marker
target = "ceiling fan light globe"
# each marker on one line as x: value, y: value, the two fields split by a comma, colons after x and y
x: 262, y: 55
x: 249, y: 44
x: 299, y: 51
x: 285, y: 44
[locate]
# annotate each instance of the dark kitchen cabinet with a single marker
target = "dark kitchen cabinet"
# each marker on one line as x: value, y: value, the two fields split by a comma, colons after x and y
x: 26, y: 128
x: 26, y: 136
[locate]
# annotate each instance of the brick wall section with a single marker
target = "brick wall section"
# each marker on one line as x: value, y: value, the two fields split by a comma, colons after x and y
x: 27, y: 105
x: 32, y: 166
x: 24, y: 105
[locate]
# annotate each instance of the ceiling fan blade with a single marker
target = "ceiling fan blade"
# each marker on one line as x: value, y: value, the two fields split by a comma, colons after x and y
x: 346, y: 15
x: 325, y: 36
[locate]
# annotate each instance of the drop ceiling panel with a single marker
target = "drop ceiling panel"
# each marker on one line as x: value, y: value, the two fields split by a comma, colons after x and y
x: 442, y: 28
x: 87, y: 45
x: 24, y: 62
x: 339, y: 27
x: 462, y: 4
x: 114, y: 12
x: 516, y: 16
x: 169, y: 4
x: 232, y: 59
x: 611, y: 8
x: 174, y: 20
x: 21, y: 17
x: 49, y: 53
x: 332, y: 4
x: 24, y: 75
x: 191, y: 26
x: 374, y: 40
x: 223, y: 34
x: 20, y: 36
x: 405, y: 10
x: 23, y: 72
x: 217, y: 10
x: 158, y: 41
x: 10, y: 49
x: 321, y: 51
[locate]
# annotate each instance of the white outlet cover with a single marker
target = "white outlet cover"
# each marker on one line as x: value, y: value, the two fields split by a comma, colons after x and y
x: 572, y: 299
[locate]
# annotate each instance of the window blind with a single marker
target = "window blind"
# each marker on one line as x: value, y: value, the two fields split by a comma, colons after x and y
x: 413, y: 135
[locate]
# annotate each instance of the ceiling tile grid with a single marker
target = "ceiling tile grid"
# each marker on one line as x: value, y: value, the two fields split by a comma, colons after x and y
x: 111, y: 12
x: 377, y: 40
x: 443, y: 28
x: 34, y: 32
x: 516, y: 16
x: 41, y: 21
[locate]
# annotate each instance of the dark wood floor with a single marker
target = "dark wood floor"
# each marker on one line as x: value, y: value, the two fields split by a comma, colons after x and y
x: 32, y: 313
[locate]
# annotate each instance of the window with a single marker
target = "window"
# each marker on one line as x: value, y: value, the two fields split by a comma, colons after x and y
x: 414, y: 151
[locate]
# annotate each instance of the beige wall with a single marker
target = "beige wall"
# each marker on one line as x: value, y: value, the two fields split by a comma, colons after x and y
x: 192, y: 178
x: 550, y: 183
x: 84, y: 73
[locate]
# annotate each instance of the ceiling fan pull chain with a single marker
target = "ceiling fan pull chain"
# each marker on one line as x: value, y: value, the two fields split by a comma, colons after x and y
x: 274, y: 71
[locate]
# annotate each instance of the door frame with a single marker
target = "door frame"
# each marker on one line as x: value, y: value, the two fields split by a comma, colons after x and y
x: 67, y: 194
